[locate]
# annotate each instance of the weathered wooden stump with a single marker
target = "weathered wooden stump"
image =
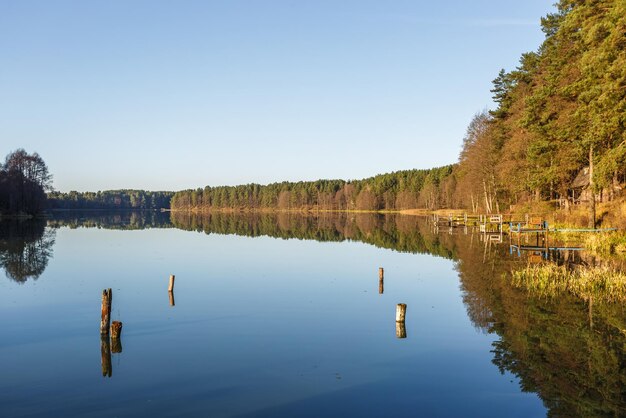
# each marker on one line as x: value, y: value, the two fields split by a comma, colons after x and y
x: 400, y: 330
x: 400, y: 312
x: 171, y: 286
x: 105, y: 353
x: 381, y: 281
x: 105, y: 319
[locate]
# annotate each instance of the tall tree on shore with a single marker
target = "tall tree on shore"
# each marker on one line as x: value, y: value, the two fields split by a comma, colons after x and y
x: 562, y: 107
x: 24, y: 179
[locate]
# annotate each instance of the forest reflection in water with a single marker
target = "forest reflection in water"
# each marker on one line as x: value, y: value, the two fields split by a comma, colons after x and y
x: 25, y: 248
x: 571, y: 353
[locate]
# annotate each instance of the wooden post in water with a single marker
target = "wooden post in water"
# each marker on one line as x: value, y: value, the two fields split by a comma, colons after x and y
x: 105, y: 319
x: 116, y: 333
x: 381, y: 280
x: 400, y: 312
x: 105, y: 354
x: 170, y: 289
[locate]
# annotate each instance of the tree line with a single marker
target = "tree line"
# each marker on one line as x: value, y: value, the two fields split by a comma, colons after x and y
x: 431, y: 188
x: 110, y: 199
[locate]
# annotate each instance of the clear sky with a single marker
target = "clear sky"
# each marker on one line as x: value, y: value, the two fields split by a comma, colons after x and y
x: 169, y: 95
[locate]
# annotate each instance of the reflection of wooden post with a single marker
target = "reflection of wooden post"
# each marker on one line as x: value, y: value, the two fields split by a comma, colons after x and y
x: 105, y: 320
x: 116, y: 333
x: 381, y: 280
x: 400, y: 312
x: 105, y: 352
x: 171, y: 298
x: 116, y: 345
x: 400, y: 330
x: 116, y: 329
x: 171, y: 287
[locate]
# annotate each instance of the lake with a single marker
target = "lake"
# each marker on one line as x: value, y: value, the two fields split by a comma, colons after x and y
x: 283, y: 315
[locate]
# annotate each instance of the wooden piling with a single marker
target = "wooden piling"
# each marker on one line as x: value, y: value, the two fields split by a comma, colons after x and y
x: 400, y: 312
x: 171, y: 286
x: 381, y: 281
x: 105, y: 319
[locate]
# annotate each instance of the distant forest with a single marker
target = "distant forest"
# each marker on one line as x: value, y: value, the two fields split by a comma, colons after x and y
x: 400, y: 190
x: 110, y: 199
x: 560, y: 113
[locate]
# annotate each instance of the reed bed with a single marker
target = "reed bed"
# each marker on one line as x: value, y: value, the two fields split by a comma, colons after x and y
x: 607, y: 244
x: 550, y: 280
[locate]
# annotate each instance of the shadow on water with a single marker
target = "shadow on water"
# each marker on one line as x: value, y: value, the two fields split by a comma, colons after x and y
x: 570, y: 353
x: 25, y: 248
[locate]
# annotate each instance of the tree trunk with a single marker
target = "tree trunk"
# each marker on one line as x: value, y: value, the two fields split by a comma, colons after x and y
x: 592, y: 198
x: 487, y: 206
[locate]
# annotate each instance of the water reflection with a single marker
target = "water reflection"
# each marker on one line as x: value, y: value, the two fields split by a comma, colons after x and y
x: 571, y: 353
x: 576, y: 366
x: 105, y: 353
x: 126, y: 220
x: 400, y: 233
x: 571, y: 356
x: 25, y: 248
x: 400, y: 330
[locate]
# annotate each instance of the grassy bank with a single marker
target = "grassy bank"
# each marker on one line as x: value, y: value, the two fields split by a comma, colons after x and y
x: 549, y: 280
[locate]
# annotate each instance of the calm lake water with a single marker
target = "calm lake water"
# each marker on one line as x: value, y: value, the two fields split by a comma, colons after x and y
x: 282, y: 316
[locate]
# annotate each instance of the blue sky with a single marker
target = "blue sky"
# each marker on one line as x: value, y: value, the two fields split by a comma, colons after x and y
x: 166, y: 95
